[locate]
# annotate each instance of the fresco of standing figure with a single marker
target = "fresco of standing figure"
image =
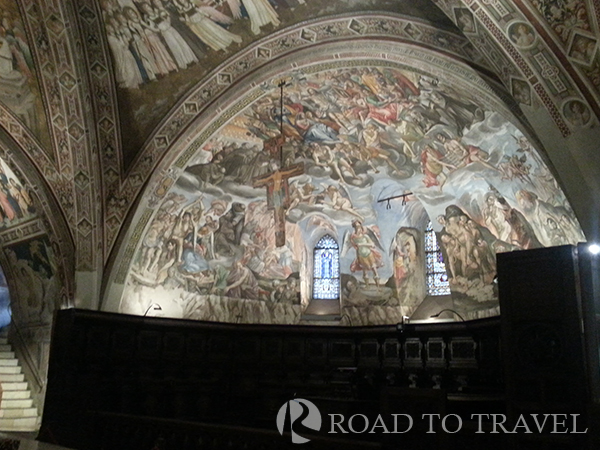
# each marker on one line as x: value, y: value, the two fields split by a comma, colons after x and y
x: 261, y: 13
x: 368, y: 251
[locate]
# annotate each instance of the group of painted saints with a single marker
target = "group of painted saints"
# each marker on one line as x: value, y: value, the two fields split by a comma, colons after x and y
x: 152, y: 38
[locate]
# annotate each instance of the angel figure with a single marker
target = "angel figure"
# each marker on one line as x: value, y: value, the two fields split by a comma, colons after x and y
x: 368, y: 255
x: 340, y: 200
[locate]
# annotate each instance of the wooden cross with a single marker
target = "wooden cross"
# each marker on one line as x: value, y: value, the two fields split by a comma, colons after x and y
x: 276, y: 182
x: 278, y: 197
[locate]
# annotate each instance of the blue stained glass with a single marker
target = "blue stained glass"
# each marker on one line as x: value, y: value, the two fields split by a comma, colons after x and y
x: 325, y: 262
x: 437, y: 277
x: 326, y: 280
x: 430, y: 239
x: 326, y: 289
x: 327, y: 242
x: 429, y: 243
x: 435, y: 262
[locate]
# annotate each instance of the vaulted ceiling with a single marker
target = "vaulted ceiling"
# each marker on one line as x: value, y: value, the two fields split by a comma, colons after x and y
x: 100, y: 150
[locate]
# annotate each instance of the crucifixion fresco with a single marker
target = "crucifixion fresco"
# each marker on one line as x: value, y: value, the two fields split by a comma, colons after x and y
x: 354, y: 135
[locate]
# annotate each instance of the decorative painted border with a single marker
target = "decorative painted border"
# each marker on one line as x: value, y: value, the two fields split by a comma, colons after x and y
x: 553, y: 78
x: 63, y: 74
x: 22, y: 232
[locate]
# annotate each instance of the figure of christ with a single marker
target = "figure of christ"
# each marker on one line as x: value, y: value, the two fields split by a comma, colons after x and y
x: 278, y: 195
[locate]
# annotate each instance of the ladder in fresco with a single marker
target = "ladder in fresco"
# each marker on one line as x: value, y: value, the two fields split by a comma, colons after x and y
x: 17, y: 412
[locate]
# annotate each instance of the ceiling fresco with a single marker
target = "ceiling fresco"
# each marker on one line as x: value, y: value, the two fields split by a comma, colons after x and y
x: 104, y: 151
x: 232, y: 240
x: 95, y: 196
x: 19, y: 90
x: 546, y: 53
x: 575, y: 25
x: 60, y: 168
x: 565, y: 18
x: 532, y: 74
x: 160, y: 49
x: 345, y: 28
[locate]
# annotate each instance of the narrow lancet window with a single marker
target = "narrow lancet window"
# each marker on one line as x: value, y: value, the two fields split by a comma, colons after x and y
x: 326, y: 274
x: 437, y: 277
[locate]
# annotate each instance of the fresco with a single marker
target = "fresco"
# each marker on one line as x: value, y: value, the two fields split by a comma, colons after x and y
x: 576, y: 112
x: 564, y: 17
x: 161, y: 48
x: 521, y: 34
x: 19, y: 89
x: 521, y: 91
x: 464, y: 20
x: 583, y: 48
x: 369, y: 156
x: 36, y: 284
x: 16, y: 202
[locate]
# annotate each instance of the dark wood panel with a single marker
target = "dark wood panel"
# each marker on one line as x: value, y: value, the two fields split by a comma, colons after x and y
x: 242, y: 374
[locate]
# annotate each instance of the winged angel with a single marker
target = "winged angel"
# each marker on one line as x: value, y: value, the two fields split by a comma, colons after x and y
x: 368, y: 250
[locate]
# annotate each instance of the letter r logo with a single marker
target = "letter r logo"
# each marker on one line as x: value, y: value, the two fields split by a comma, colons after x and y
x: 302, y: 410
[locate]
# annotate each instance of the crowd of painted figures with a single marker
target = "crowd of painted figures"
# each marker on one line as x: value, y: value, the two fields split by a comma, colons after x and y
x: 358, y: 122
x: 17, y: 75
x: 183, y: 241
x: 152, y: 38
x: 350, y: 128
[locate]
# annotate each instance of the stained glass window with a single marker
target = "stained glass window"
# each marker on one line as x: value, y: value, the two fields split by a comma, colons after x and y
x: 437, y: 277
x: 326, y: 278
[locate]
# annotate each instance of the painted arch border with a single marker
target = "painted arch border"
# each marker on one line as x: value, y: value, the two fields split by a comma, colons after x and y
x: 328, y: 56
